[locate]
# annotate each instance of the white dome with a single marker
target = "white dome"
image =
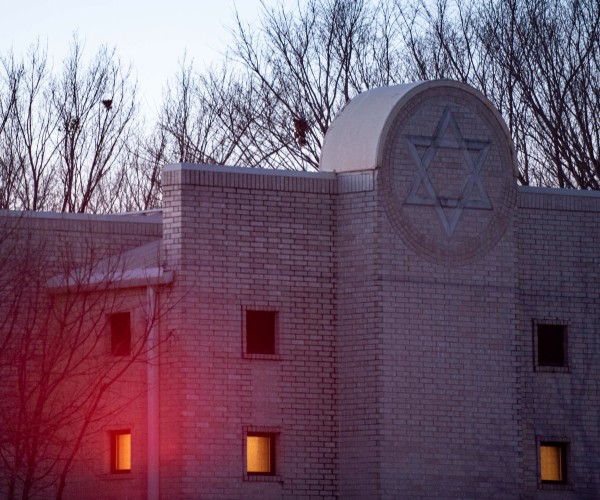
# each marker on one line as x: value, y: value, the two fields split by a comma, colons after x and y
x: 356, y: 136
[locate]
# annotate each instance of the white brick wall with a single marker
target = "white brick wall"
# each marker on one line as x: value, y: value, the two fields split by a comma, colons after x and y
x: 403, y: 365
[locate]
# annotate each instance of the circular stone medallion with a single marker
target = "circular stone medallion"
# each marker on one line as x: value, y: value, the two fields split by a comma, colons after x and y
x: 447, y: 173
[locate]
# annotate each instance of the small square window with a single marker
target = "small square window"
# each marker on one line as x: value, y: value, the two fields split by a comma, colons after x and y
x: 551, y: 345
x: 260, y: 332
x: 120, y: 334
x: 120, y: 451
x: 553, y: 462
x: 260, y: 454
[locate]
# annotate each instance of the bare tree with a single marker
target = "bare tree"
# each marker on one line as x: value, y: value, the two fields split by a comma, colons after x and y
x: 36, y: 124
x: 137, y: 185
x: 73, y: 142
x: 9, y: 84
x: 59, y: 377
x: 308, y: 64
x: 551, y: 53
x: 537, y: 61
x: 95, y: 108
x: 209, y: 118
x: 443, y: 39
x: 64, y: 137
x: 10, y: 78
x: 26, y: 140
x: 286, y: 81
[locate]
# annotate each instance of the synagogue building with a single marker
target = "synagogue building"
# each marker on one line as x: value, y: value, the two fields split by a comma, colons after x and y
x: 405, y: 323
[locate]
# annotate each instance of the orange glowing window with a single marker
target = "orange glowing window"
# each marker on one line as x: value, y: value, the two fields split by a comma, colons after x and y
x: 553, y: 462
x: 260, y: 454
x: 120, y: 452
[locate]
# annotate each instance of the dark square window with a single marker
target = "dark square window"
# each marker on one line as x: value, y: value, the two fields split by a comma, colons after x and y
x: 553, y: 462
x: 120, y: 334
x: 260, y: 332
x: 551, y: 345
x: 120, y: 451
x: 260, y: 454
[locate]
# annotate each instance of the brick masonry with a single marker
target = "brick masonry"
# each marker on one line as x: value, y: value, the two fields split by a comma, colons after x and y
x: 251, y: 241
x: 41, y: 246
x: 405, y: 343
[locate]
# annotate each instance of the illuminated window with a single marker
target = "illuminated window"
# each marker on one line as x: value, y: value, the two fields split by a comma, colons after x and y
x: 120, y: 451
x: 260, y: 453
x: 553, y: 462
x: 551, y: 345
x: 260, y: 332
x: 120, y: 334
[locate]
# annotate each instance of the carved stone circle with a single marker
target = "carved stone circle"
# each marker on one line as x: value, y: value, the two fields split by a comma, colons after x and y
x: 447, y: 174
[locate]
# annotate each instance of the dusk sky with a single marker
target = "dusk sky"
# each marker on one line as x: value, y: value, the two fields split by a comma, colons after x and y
x: 152, y: 35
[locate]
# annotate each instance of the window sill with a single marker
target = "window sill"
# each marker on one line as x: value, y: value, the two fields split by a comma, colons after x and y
x: 552, y: 369
x: 118, y: 476
x: 268, y: 357
x: 262, y: 478
x: 550, y: 486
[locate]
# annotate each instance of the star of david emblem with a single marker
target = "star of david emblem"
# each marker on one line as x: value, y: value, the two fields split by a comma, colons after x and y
x: 473, y: 195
